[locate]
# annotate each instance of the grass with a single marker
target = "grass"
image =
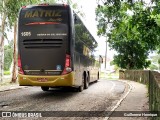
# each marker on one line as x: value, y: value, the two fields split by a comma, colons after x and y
x: 7, y: 73
x: 109, y: 75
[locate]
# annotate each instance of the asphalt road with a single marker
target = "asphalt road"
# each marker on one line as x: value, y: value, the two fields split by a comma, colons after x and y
x: 100, y: 96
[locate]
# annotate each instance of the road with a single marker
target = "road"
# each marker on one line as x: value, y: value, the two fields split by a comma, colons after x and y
x: 100, y: 96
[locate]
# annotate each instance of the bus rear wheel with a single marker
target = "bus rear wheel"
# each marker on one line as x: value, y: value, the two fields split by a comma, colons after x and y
x: 97, y: 77
x: 81, y: 88
x: 44, y: 88
x: 86, y: 82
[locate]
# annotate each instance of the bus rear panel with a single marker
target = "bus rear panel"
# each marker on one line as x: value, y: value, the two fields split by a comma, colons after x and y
x: 43, y: 44
x: 55, y: 49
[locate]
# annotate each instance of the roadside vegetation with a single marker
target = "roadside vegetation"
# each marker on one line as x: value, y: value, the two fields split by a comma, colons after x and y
x: 110, y: 76
x: 132, y: 28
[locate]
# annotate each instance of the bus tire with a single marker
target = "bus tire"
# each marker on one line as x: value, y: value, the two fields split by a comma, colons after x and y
x: 81, y: 88
x: 44, y: 88
x: 97, y: 77
x: 86, y: 82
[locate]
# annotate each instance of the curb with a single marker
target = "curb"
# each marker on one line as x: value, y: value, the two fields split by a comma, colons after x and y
x: 120, y: 101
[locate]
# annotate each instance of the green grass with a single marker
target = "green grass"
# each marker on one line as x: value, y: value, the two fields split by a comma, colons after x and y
x: 109, y: 75
x: 7, y: 73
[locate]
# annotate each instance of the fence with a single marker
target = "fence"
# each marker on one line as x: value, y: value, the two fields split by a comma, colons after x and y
x: 152, y: 80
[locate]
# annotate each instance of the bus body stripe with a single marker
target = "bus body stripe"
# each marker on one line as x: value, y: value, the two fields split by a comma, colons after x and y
x: 42, y: 23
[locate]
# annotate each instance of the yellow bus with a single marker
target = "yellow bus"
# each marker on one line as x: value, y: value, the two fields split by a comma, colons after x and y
x: 55, y: 49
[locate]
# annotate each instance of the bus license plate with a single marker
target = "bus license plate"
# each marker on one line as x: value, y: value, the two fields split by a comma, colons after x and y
x: 42, y: 79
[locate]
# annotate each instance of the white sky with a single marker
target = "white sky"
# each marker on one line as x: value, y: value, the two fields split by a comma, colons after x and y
x: 88, y: 8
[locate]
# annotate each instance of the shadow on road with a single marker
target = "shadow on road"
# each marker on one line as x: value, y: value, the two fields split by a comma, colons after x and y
x: 57, y: 93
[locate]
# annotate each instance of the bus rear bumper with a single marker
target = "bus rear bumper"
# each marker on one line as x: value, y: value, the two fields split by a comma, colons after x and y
x: 50, y: 81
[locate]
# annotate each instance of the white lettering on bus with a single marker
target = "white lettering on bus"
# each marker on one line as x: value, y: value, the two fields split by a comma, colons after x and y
x: 52, y: 34
x: 26, y: 33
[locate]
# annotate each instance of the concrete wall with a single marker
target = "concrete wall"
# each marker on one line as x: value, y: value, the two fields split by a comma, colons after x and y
x: 151, y: 79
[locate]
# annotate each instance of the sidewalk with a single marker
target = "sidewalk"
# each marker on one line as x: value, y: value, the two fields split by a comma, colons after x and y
x: 6, y: 85
x: 136, y: 100
x: 10, y: 87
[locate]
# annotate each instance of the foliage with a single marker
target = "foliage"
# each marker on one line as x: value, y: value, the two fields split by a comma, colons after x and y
x: 153, y: 67
x: 7, y: 73
x: 159, y: 61
x: 8, y: 55
x: 13, y: 6
x: 155, y: 58
x: 133, y: 31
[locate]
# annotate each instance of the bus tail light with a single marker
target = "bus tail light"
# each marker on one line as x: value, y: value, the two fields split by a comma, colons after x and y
x: 67, y: 67
x: 44, y: 4
x: 65, y: 5
x: 20, y: 66
x: 23, y: 7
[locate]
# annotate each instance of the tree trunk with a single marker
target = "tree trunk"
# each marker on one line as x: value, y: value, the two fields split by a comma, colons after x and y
x: 2, y: 47
x: 14, y: 70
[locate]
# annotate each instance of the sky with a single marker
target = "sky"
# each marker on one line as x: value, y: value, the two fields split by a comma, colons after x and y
x: 88, y: 7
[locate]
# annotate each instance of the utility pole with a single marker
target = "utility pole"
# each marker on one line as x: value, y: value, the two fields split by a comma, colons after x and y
x: 106, y: 56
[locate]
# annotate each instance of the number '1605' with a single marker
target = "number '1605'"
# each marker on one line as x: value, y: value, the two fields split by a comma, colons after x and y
x: 26, y: 33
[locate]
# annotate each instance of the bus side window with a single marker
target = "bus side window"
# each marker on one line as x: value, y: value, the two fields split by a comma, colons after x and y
x: 75, y: 19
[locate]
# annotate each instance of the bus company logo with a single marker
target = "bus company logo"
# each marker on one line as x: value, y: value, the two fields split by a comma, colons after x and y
x: 42, y: 13
x: 58, y: 67
x: 6, y: 114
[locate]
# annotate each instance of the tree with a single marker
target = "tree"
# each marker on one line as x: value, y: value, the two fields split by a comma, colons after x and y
x: 12, y: 7
x: 155, y: 64
x: 3, y: 23
x: 133, y: 32
x: 8, y: 55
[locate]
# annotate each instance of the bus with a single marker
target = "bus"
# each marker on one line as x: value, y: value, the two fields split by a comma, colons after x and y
x: 55, y: 49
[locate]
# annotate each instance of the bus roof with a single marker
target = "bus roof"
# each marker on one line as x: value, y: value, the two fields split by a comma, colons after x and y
x: 46, y: 4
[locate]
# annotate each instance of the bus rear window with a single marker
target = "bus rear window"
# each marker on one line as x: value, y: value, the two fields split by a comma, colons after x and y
x: 44, y: 15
